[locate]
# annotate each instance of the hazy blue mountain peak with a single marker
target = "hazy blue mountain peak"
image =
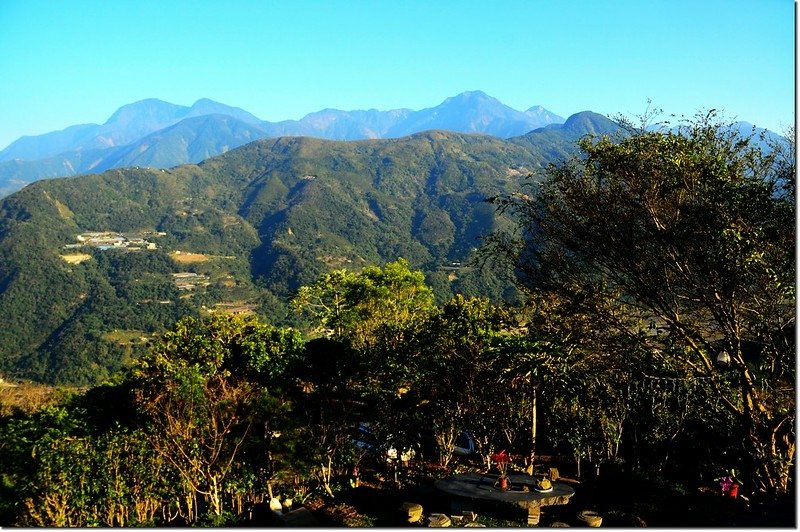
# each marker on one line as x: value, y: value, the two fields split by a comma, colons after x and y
x: 473, y: 98
x: 147, y: 109
x: 206, y: 106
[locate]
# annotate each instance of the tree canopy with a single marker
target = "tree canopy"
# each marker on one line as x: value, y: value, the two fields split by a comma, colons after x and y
x: 683, y: 242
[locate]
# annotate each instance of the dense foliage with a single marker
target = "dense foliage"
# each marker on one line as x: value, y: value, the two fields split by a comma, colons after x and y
x: 228, y: 411
x: 661, y: 342
x: 680, y: 246
x: 260, y: 221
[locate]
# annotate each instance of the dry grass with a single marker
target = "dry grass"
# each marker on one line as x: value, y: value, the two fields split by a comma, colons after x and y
x: 76, y: 258
x: 235, y: 307
x: 26, y: 398
x: 187, y: 257
x: 127, y: 337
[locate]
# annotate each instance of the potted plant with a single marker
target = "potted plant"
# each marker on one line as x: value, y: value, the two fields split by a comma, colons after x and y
x: 729, y: 484
x: 502, y: 460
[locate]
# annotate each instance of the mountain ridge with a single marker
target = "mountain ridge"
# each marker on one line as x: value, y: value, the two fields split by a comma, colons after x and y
x: 155, y: 133
x: 164, y: 113
x: 72, y: 151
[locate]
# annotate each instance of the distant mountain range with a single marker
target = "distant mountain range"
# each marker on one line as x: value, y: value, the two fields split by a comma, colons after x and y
x: 158, y: 134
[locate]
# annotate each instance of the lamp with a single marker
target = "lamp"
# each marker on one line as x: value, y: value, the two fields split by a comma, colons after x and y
x: 723, y: 359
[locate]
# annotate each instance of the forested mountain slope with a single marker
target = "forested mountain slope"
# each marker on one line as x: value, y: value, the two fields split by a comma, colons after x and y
x: 238, y: 232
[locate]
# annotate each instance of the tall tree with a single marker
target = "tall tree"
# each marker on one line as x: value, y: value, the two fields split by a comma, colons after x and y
x: 690, y: 231
x: 377, y: 311
x: 202, y: 390
x: 368, y: 308
x: 374, y: 319
x: 464, y: 376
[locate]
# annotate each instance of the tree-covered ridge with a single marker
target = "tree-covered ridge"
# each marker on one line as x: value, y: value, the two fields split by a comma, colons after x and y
x: 263, y: 220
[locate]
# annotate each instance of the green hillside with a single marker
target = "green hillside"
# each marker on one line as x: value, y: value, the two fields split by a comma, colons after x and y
x: 239, y: 232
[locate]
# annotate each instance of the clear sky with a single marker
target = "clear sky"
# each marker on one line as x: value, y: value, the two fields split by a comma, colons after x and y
x: 76, y: 61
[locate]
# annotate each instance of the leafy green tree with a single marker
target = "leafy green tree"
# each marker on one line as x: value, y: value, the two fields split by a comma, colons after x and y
x: 328, y: 405
x: 368, y: 308
x: 577, y: 372
x: 20, y: 462
x: 461, y: 374
x: 191, y: 433
x: 200, y: 391
x: 371, y: 358
x: 378, y: 312
x: 326, y: 302
x: 691, y: 231
x: 64, y: 470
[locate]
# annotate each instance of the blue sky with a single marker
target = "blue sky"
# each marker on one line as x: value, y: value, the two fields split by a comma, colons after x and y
x: 76, y: 61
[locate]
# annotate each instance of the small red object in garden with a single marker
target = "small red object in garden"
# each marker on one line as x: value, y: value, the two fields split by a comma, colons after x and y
x: 729, y: 484
x: 502, y: 459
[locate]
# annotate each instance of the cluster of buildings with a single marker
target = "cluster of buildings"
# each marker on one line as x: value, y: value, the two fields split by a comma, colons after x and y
x: 110, y: 240
x: 189, y: 280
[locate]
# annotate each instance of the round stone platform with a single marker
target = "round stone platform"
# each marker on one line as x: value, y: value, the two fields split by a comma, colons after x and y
x: 477, y: 487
